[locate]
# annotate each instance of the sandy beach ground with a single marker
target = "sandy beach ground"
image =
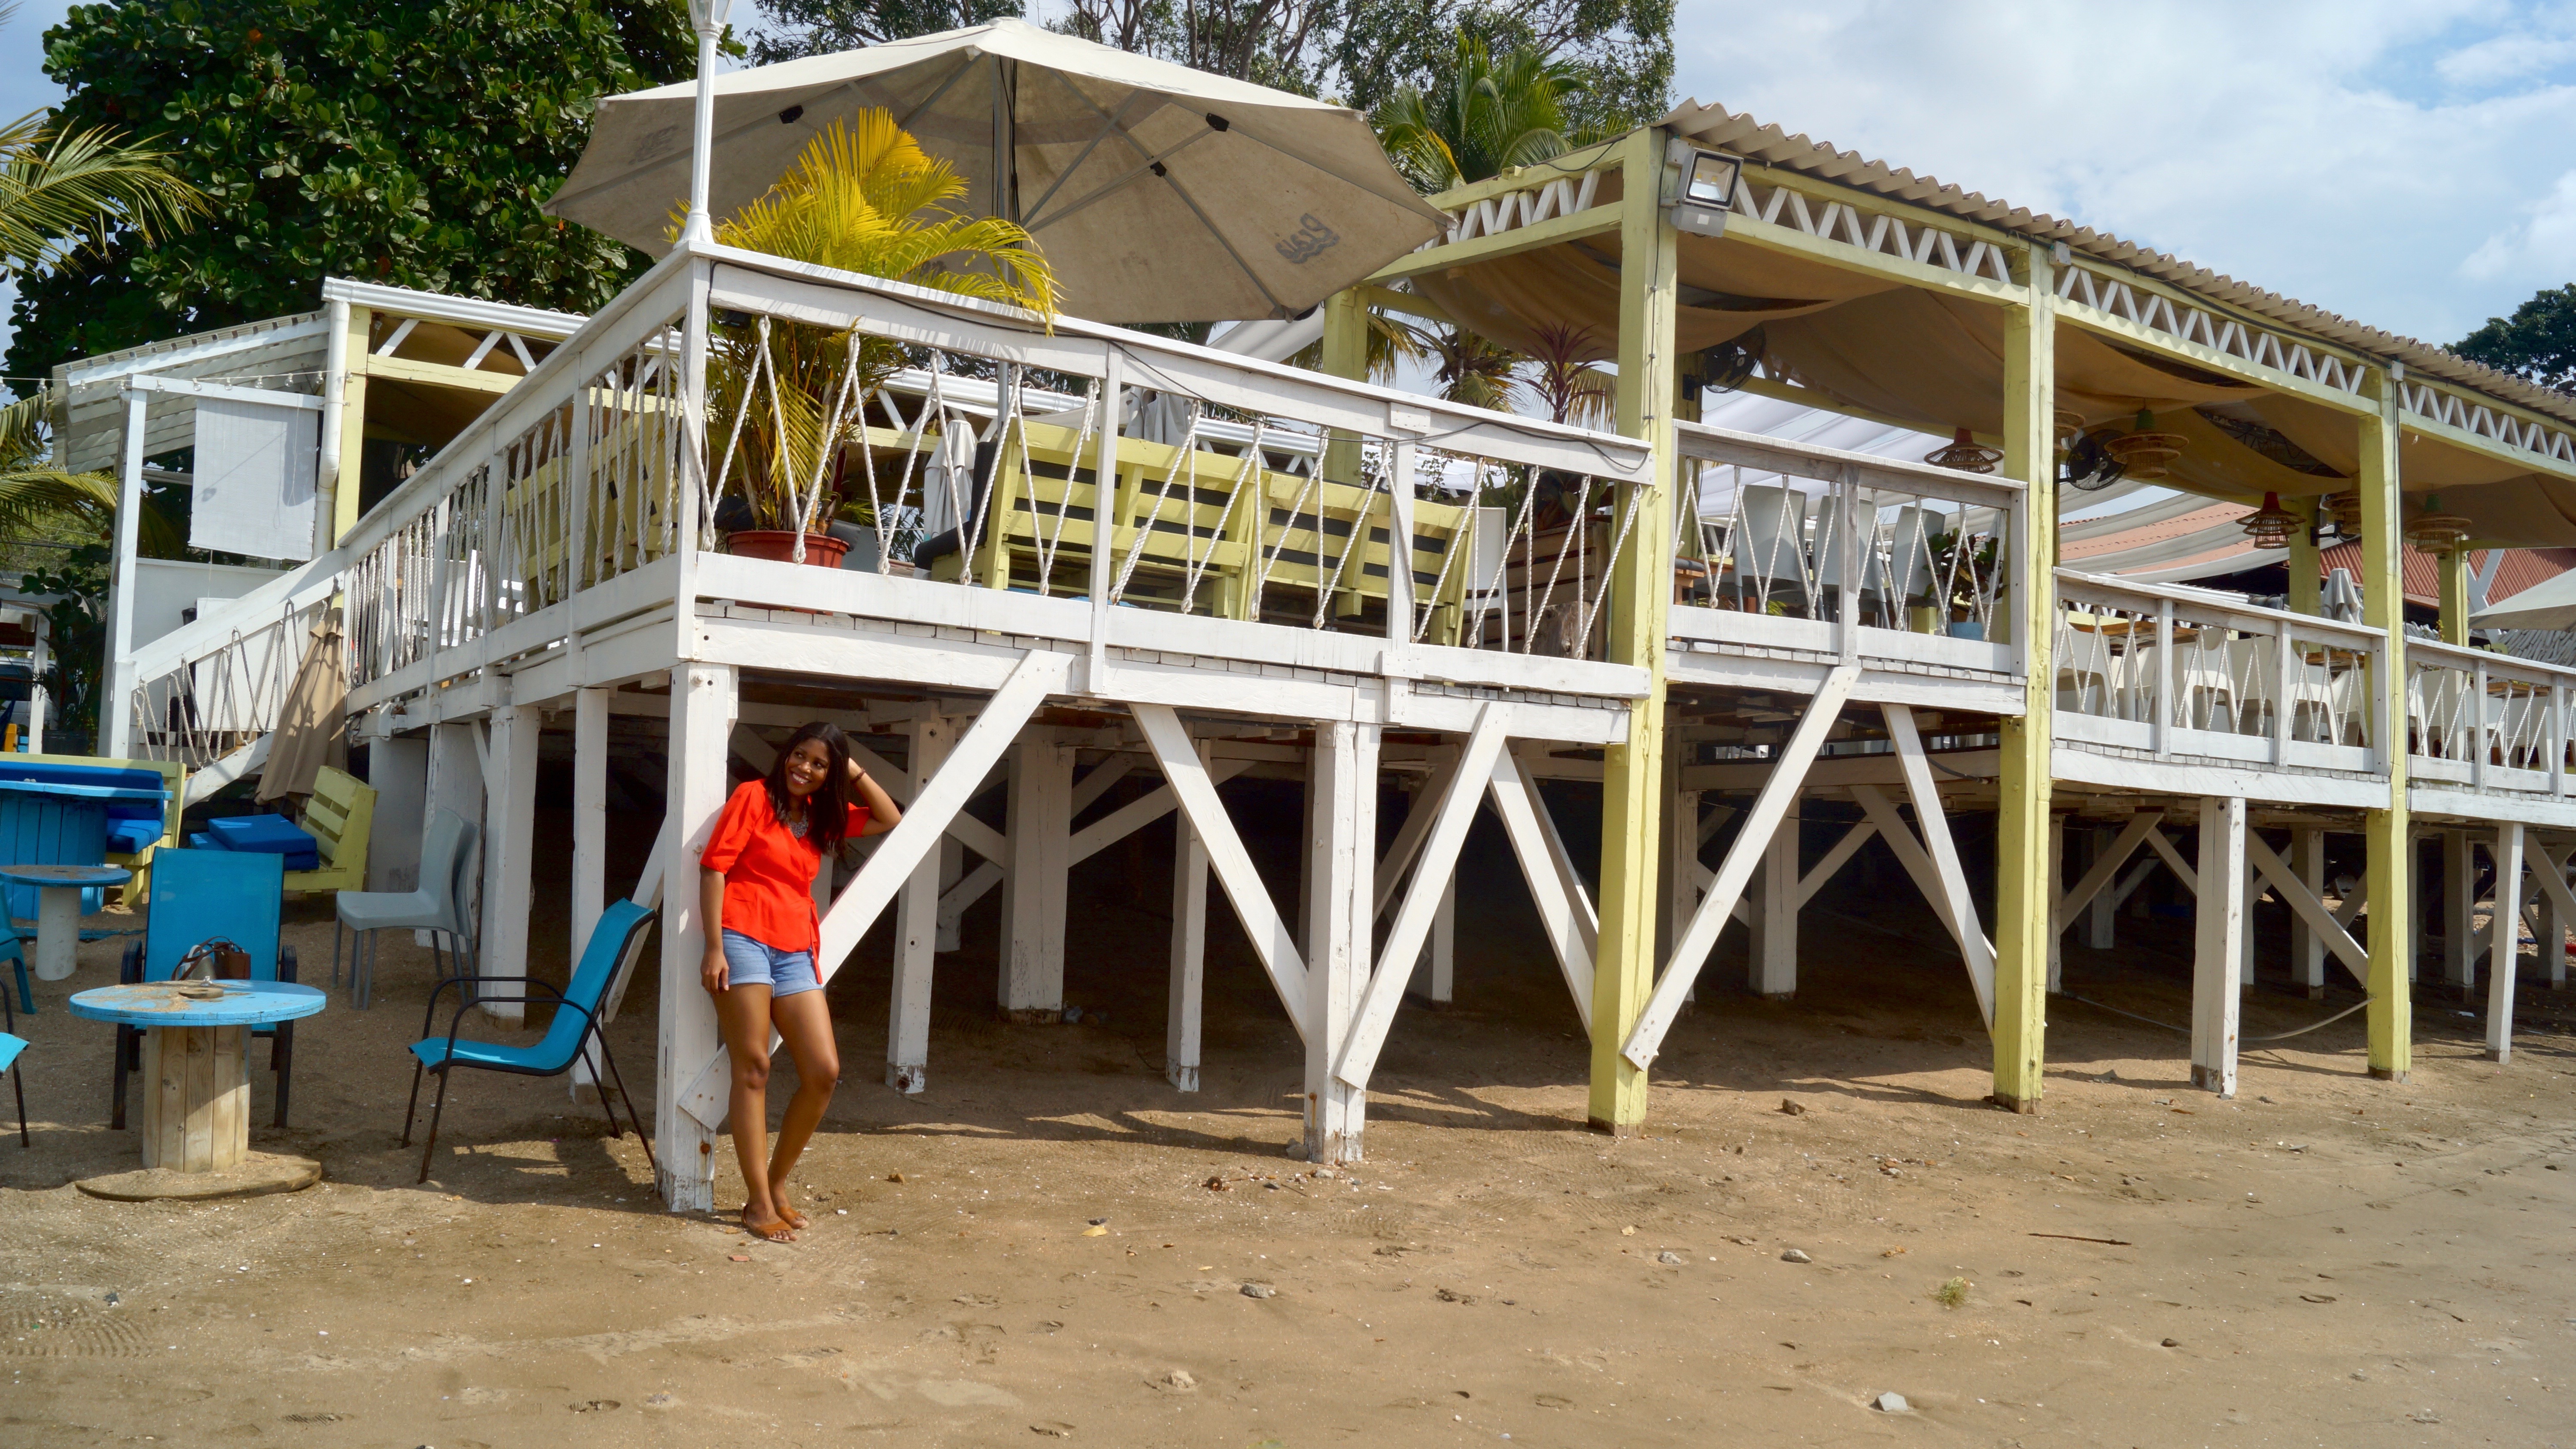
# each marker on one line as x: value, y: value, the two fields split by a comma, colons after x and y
x: 2323, y: 1260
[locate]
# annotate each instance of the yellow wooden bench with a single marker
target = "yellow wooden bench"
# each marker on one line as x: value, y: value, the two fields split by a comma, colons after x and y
x: 338, y: 817
x: 1212, y: 524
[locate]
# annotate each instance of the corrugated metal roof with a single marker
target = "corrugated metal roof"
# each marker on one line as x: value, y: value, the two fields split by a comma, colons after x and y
x: 2521, y: 568
x: 1744, y: 136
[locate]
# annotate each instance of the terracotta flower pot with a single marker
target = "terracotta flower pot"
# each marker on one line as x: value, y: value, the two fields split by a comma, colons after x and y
x: 779, y: 545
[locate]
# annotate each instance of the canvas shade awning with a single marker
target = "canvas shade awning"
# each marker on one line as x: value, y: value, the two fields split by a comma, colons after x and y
x: 1158, y: 193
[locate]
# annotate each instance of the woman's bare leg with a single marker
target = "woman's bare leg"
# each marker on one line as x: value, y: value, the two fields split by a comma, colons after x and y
x: 742, y: 1013
x: 806, y: 1025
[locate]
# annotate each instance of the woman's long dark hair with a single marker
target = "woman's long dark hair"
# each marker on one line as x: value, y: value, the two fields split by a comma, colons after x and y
x: 827, y: 810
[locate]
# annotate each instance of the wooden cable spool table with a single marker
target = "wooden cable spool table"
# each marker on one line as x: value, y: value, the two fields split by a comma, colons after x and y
x: 196, y: 1086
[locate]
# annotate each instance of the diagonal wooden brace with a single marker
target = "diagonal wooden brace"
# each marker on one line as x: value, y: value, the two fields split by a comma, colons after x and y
x: 1439, y: 857
x: 1788, y: 773
x: 1189, y: 778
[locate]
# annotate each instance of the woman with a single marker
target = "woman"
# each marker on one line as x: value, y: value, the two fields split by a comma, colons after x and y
x: 756, y: 888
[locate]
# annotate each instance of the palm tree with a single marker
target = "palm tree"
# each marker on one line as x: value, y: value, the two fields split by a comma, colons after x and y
x: 60, y: 191
x: 1488, y: 114
x: 36, y: 497
x: 863, y: 197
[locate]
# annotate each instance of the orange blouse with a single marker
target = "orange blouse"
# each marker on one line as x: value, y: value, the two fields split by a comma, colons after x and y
x: 769, y: 872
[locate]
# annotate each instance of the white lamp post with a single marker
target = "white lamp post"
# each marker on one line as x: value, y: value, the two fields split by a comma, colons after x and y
x: 708, y: 17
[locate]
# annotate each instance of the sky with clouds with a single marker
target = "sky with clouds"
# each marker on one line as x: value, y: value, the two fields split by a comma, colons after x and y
x: 2408, y: 163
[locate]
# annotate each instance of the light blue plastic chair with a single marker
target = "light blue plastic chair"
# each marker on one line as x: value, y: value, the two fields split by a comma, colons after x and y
x: 620, y: 931
x: 198, y: 895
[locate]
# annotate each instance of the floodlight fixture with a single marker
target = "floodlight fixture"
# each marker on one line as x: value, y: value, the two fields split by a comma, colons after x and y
x: 1699, y: 187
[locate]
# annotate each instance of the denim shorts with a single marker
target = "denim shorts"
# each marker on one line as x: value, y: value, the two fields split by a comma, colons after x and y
x: 757, y: 963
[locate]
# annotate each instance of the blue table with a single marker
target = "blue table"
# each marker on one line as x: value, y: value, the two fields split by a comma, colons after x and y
x: 58, y: 909
x: 196, y: 1062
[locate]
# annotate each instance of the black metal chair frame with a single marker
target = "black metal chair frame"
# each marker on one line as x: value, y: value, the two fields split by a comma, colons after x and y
x: 17, y: 1070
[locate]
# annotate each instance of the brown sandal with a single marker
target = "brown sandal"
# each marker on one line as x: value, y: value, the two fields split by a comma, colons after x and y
x: 793, y: 1218
x: 777, y: 1230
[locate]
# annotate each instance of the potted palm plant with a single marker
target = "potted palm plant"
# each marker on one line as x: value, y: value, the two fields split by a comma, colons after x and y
x: 784, y: 398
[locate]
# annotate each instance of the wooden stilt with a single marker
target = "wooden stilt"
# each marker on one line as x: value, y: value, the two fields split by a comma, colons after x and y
x: 1033, y: 888
x: 1641, y: 592
x: 1341, y: 856
x: 2459, y: 910
x: 589, y: 850
x: 2057, y: 923
x: 916, y: 924
x: 1181, y: 1023
x: 2557, y: 910
x: 1774, y: 958
x: 2307, y: 948
x: 2383, y: 584
x: 509, y: 860
x: 2504, y: 956
x: 702, y: 710
x: 2220, y: 918
x: 2024, y: 892
x: 2245, y: 938
x: 2103, y: 914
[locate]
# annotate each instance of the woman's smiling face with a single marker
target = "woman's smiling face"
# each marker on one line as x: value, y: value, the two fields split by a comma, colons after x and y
x: 808, y: 765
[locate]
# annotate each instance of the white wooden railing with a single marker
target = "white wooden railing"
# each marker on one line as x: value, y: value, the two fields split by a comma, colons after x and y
x: 1893, y: 561
x: 2487, y: 721
x: 1248, y: 494
x: 2186, y: 673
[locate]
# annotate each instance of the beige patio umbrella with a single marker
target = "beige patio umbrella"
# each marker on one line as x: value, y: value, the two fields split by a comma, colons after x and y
x: 1159, y: 193
x: 313, y: 728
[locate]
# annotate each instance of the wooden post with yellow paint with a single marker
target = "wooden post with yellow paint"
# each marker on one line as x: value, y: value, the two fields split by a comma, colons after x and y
x: 2307, y: 590
x: 2455, y: 595
x: 1632, y: 780
x: 1346, y: 330
x: 2391, y: 854
x: 2025, y: 889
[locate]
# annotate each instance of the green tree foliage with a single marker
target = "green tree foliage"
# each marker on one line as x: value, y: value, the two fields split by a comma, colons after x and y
x: 408, y: 142
x: 77, y: 622
x: 1484, y: 113
x: 822, y: 27
x: 1618, y: 54
x: 2538, y: 341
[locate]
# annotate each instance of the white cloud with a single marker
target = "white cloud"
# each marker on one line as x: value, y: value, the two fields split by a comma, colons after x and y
x: 2316, y: 148
x: 2541, y: 249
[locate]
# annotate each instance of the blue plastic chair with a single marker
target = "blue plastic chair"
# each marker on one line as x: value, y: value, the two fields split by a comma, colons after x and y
x: 198, y: 895
x: 620, y: 930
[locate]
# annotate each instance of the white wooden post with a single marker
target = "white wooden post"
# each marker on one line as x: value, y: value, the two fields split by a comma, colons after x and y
x: 2505, y: 954
x: 1775, y: 913
x: 2220, y: 918
x: 1033, y: 885
x: 115, y: 708
x: 702, y: 710
x: 509, y: 861
x: 916, y: 928
x: 456, y: 783
x: 589, y: 849
x: 43, y: 661
x: 2105, y: 909
x: 1181, y: 1034
x: 2245, y: 938
x: 2459, y: 910
x: 1341, y: 860
x: 1444, y: 943
x: 2056, y: 884
x: 2557, y: 917
x: 2307, y: 948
